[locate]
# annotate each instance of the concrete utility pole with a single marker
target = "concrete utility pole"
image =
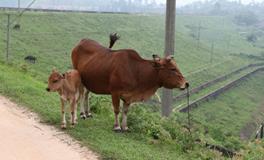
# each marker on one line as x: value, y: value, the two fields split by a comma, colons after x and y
x: 199, y: 35
x: 169, y: 50
x: 212, y: 52
x: 7, y: 37
x: 18, y: 5
x: 228, y: 43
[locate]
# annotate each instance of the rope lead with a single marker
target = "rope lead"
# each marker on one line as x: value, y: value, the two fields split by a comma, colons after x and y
x: 188, y: 104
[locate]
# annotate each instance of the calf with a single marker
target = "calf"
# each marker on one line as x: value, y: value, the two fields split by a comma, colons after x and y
x: 70, y: 89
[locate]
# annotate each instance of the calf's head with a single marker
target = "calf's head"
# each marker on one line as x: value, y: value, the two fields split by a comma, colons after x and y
x: 55, y: 81
x: 168, y: 73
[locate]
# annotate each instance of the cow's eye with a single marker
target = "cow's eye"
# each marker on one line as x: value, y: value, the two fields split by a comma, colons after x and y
x: 55, y: 81
x: 173, y: 69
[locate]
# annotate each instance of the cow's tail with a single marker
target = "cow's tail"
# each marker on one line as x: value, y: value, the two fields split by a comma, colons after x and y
x: 74, y: 57
x: 113, y: 38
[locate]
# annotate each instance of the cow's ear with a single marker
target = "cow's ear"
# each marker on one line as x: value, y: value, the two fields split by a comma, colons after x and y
x: 54, y: 70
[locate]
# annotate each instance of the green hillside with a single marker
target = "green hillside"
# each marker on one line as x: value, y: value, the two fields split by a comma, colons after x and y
x: 51, y: 36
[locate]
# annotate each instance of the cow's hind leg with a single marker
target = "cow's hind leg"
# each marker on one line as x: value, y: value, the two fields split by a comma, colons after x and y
x: 124, y: 116
x: 63, y: 118
x: 86, y: 104
x: 116, y: 103
x: 82, y: 104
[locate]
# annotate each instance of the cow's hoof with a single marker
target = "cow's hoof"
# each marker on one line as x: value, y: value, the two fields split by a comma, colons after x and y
x: 117, y: 129
x: 72, y: 125
x: 83, y: 116
x: 63, y: 126
x: 88, y: 115
x: 125, y: 129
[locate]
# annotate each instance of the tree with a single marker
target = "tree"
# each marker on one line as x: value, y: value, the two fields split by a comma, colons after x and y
x: 252, y: 38
x: 246, y: 18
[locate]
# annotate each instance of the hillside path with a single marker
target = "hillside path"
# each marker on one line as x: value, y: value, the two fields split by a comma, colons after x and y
x: 251, y: 127
x: 23, y: 137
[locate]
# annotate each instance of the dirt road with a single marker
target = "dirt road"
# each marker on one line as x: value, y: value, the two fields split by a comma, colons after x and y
x: 22, y: 137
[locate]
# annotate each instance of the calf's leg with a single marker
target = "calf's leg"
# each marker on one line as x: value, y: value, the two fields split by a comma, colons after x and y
x: 63, y: 119
x: 73, y: 111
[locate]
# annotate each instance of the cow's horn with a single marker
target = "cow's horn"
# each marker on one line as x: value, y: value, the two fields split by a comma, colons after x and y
x: 156, y: 57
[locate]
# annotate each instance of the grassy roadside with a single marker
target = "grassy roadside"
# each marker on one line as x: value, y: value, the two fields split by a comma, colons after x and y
x: 172, y: 143
x: 95, y: 133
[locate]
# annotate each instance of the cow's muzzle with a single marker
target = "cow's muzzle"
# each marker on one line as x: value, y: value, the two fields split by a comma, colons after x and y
x: 186, y: 85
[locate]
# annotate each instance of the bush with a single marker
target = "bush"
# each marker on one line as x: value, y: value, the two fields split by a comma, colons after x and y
x: 23, y: 67
x: 217, y: 134
x: 254, y: 150
x: 165, y: 130
x: 233, y: 143
x: 141, y: 121
x: 252, y: 38
x: 246, y: 18
x: 100, y: 104
x: 262, y: 55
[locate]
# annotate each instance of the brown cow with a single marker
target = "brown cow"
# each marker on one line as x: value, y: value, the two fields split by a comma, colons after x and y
x: 124, y: 74
x: 70, y: 88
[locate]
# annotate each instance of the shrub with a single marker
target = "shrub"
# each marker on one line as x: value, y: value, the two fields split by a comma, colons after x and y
x: 217, y: 134
x: 100, y: 104
x: 24, y: 67
x: 246, y: 18
x: 233, y: 143
x: 166, y: 130
x: 252, y: 38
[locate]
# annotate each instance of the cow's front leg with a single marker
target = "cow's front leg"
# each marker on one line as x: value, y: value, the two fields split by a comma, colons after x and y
x: 73, y: 111
x: 124, y: 116
x: 116, y: 102
x: 63, y: 118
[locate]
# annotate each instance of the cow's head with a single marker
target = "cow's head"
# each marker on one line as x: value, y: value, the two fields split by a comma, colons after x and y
x: 169, y: 74
x: 55, y: 81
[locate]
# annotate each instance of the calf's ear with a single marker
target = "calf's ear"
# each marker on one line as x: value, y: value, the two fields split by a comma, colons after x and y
x: 54, y: 70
